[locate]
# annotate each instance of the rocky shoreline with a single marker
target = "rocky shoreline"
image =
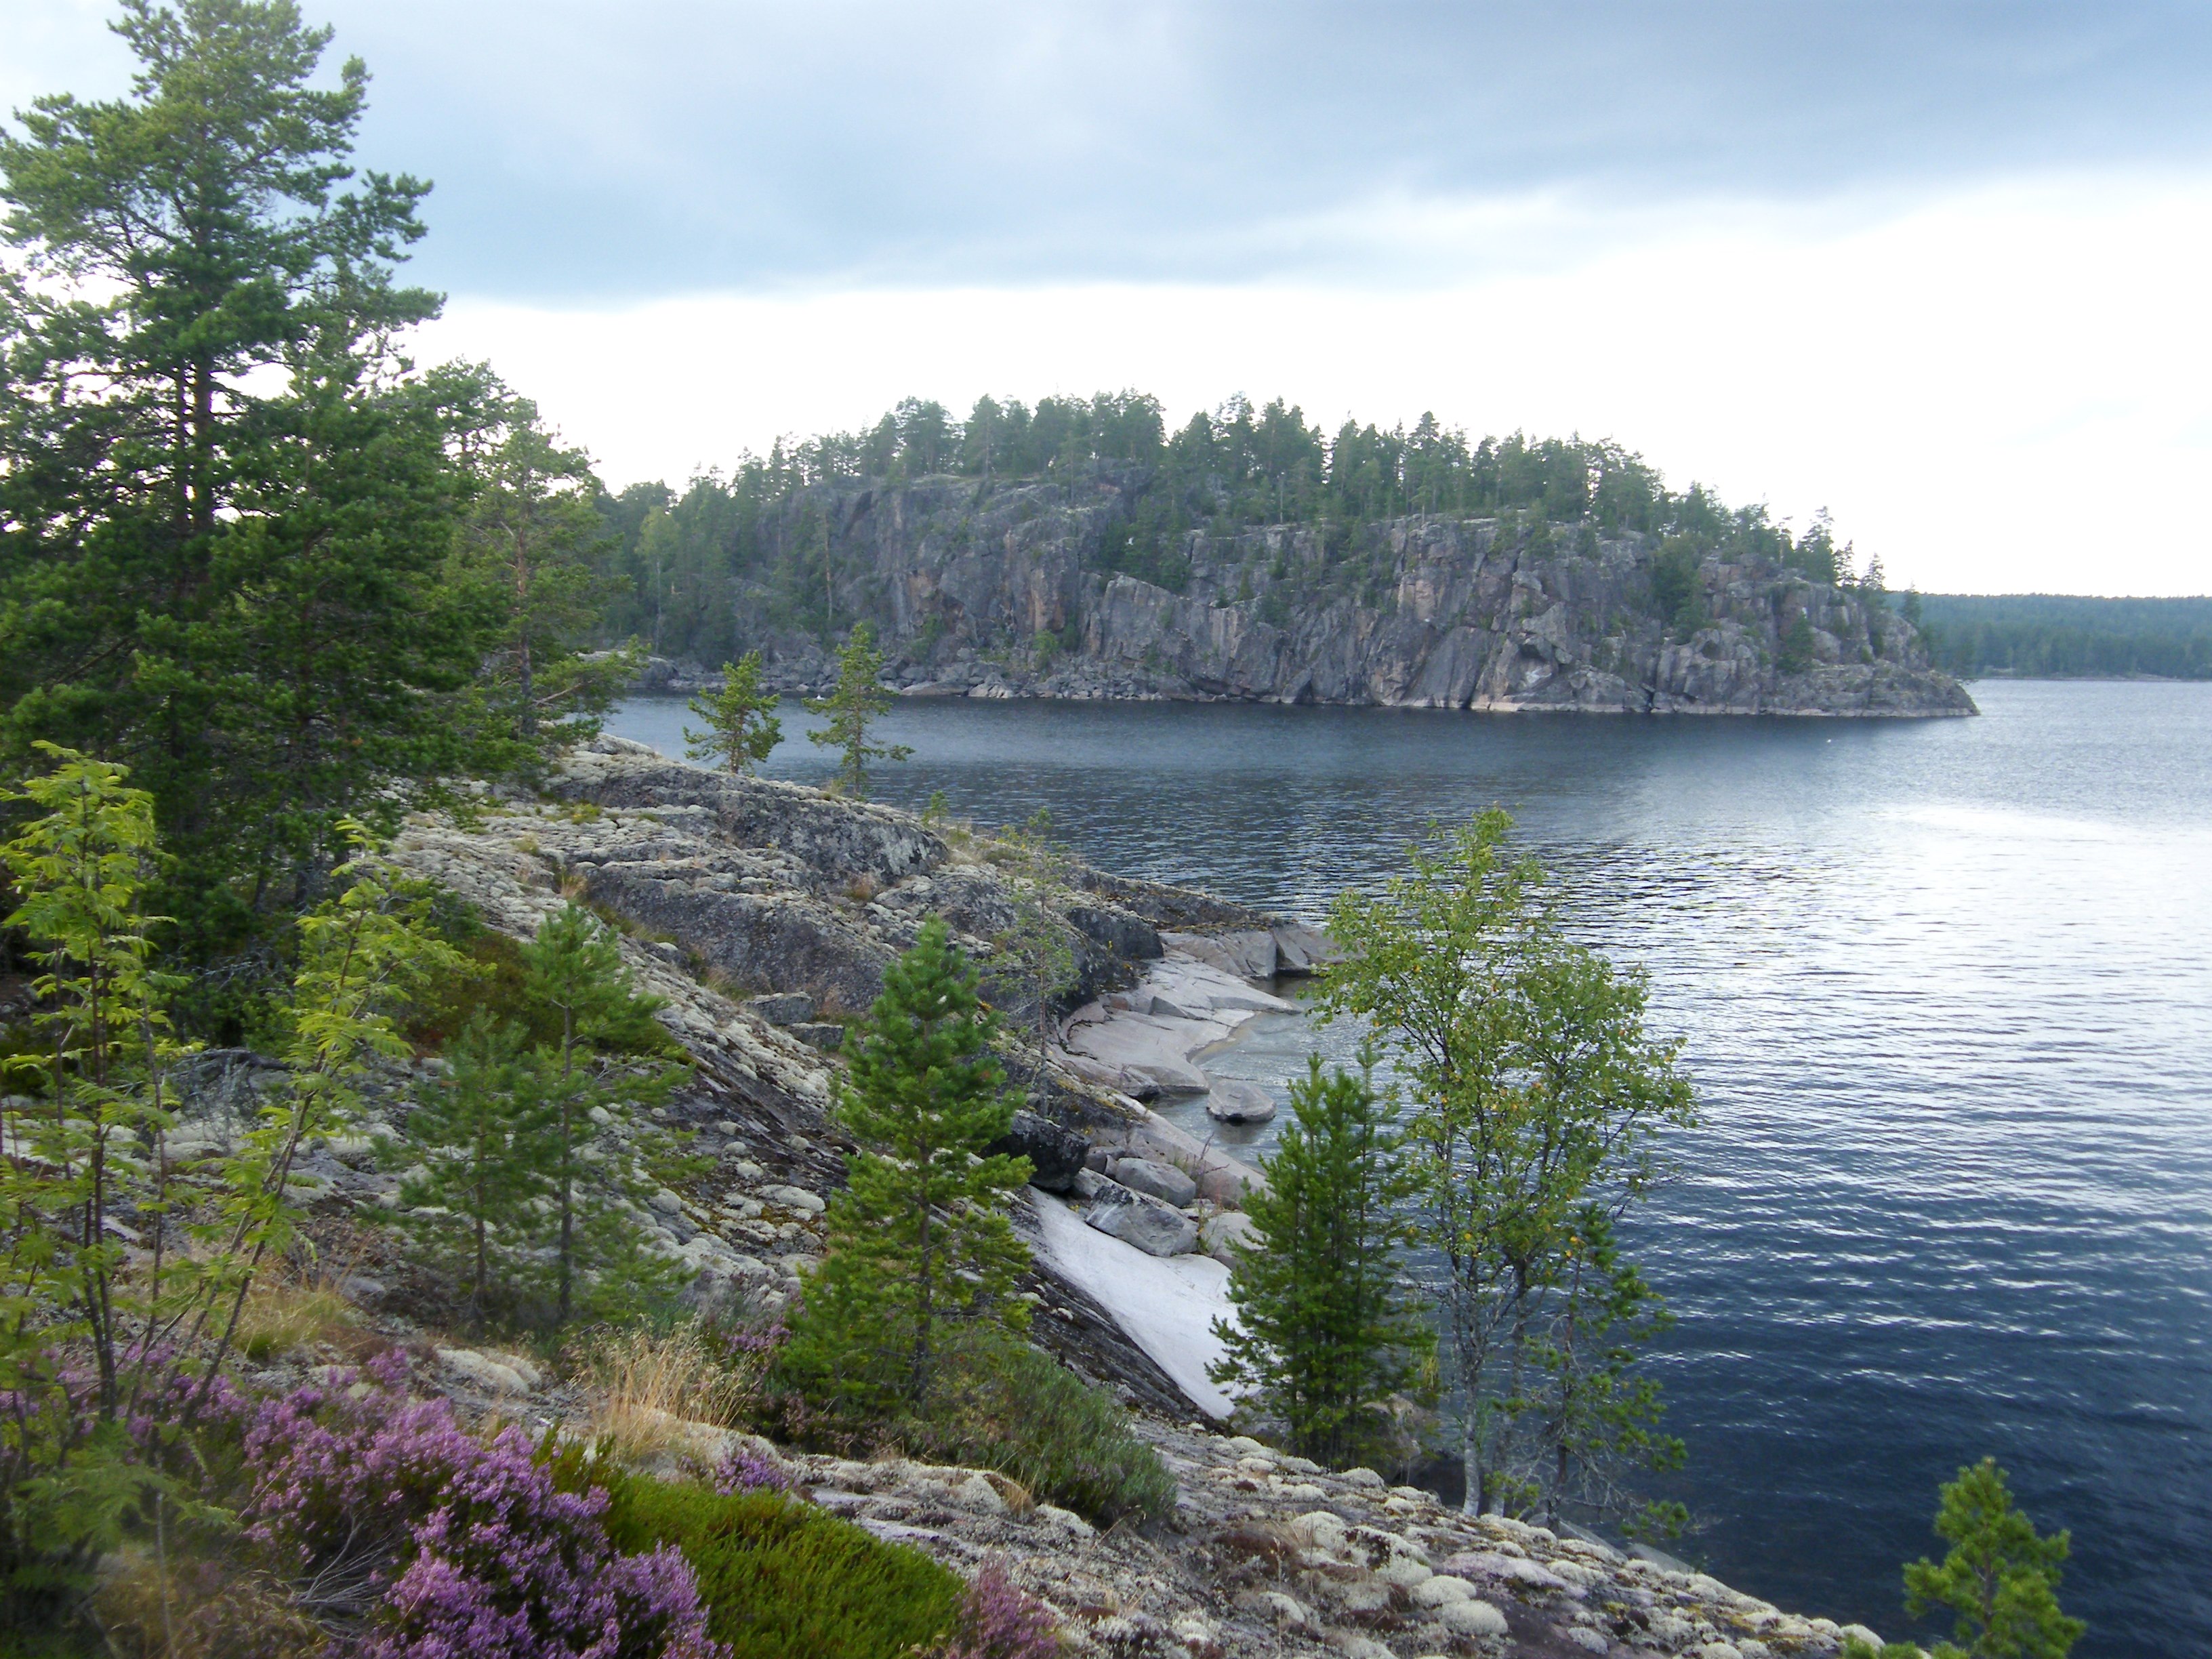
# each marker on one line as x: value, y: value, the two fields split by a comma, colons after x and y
x: 746, y: 904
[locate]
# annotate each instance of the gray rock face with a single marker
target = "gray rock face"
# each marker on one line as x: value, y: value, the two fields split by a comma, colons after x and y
x: 1055, y: 1154
x: 1232, y: 1102
x: 825, y: 1035
x: 1145, y: 1221
x: 1152, y: 1176
x: 959, y: 579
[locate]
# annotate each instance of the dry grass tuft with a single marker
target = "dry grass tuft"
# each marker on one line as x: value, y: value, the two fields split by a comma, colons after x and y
x: 282, y: 1316
x: 188, y: 1608
x: 653, y: 1392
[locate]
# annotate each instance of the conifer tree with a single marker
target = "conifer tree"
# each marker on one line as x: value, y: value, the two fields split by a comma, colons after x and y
x: 2000, y: 1578
x: 478, y: 1141
x: 1325, y: 1331
x: 857, y: 704
x: 600, y: 1156
x: 919, y: 1238
x: 741, y: 726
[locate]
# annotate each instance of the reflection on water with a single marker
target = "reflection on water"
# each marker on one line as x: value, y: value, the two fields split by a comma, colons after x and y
x: 1945, y: 986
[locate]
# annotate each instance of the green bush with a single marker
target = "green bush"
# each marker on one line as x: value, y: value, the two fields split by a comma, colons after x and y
x: 784, y: 1580
x: 1001, y: 1404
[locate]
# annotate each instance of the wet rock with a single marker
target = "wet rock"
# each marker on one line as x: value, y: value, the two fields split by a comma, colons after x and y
x: 1235, y: 1101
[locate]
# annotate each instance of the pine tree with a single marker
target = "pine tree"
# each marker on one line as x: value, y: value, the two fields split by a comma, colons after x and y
x: 857, y: 704
x: 478, y: 1145
x: 600, y: 1157
x: 741, y: 726
x: 2000, y: 1578
x: 919, y: 1238
x: 1324, y: 1331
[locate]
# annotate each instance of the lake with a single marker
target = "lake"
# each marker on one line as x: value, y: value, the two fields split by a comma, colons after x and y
x: 1946, y: 987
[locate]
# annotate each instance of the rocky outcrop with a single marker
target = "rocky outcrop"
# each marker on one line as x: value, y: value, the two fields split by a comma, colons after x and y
x: 1012, y: 591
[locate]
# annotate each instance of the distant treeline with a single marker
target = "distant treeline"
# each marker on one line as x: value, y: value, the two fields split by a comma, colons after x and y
x: 2061, y: 636
x: 684, y: 557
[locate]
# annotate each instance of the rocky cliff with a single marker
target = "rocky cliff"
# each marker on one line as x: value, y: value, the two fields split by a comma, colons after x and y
x: 1032, y: 591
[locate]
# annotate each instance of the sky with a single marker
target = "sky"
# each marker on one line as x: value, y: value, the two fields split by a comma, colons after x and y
x: 1939, y: 267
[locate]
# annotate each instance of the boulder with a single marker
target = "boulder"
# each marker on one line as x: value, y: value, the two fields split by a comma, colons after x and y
x: 1247, y: 952
x: 784, y: 1008
x: 825, y: 1035
x: 1159, y: 1179
x: 1301, y: 950
x: 1129, y: 937
x: 1055, y: 1154
x: 1145, y: 1221
x: 1235, y: 1101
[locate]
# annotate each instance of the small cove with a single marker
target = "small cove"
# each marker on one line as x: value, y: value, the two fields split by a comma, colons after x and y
x: 1945, y: 986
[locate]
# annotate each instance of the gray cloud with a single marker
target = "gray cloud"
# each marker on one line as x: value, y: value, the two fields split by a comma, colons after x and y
x: 588, y: 151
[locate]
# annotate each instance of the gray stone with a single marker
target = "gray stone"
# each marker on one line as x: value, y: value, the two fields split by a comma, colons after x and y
x: 1234, y: 1101
x: 825, y: 1035
x: 1220, y: 1237
x: 1087, y: 1182
x: 784, y: 1008
x: 1162, y: 1181
x: 1300, y: 949
x: 1055, y: 1154
x: 1145, y: 1221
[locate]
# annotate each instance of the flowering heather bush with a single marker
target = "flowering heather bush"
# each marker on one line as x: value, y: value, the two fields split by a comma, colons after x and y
x: 997, y: 1621
x: 746, y: 1470
x: 465, y: 1550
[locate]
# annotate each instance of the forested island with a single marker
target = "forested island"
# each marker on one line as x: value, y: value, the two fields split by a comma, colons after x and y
x: 1081, y: 550
x: 472, y: 1187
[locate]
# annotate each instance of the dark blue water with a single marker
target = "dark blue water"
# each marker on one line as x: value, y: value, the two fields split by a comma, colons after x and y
x: 1947, y: 987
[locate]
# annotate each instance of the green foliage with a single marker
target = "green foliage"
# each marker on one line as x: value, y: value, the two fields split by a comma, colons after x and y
x: 1537, y: 1100
x: 225, y: 504
x: 919, y: 1238
x: 598, y: 1154
x: 87, y: 1166
x: 741, y: 726
x: 1999, y: 1578
x: 1323, y: 1330
x: 1796, y: 656
x: 526, y: 561
x: 785, y: 1580
x: 474, y: 1141
x: 1677, y: 591
x: 1036, y: 953
x: 857, y: 704
x: 997, y: 1402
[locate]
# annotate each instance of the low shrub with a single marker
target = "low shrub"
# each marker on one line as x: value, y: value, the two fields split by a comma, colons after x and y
x: 1001, y: 1403
x: 783, y: 1580
x: 382, y: 1510
x: 996, y: 1403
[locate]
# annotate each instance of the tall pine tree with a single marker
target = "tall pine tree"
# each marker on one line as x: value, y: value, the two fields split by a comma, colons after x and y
x: 919, y: 1238
x: 1325, y: 1333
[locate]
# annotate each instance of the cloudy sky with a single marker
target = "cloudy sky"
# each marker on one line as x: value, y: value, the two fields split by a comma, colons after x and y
x: 1940, y: 267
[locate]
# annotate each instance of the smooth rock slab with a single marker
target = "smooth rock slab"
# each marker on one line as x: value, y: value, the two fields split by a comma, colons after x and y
x: 1145, y: 1221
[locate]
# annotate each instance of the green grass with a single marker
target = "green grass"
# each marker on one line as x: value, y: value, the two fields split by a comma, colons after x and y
x: 784, y: 1580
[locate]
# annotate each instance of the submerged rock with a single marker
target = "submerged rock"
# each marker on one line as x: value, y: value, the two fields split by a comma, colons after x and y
x: 1233, y: 1102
